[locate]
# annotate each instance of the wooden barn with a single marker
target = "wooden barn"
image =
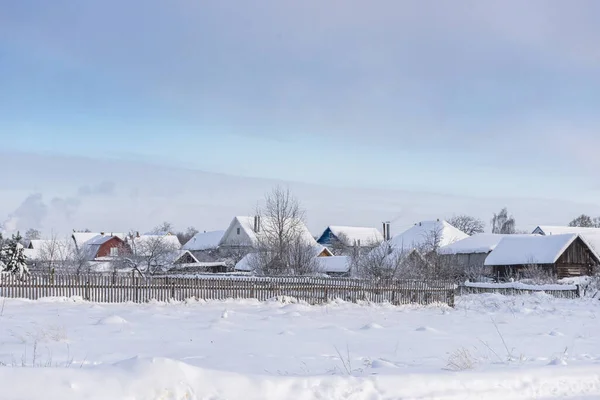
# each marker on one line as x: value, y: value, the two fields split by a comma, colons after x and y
x: 562, y: 255
x: 471, y: 251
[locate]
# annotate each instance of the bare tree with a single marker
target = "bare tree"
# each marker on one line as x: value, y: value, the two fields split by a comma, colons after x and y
x: 340, y: 245
x: 282, y: 220
x: 164, y: 228
x: 233, y: 253
x: 32, y: 234
x: 78, y: 259
x: 302, y: 258
x: 281, y: 232
x: 186, y: 236
x: 54, y: 254
x: 378, y: 263
x: 584, y: 221
x: 503, y: 223
x: 467, y: 224
x: 146, y: 254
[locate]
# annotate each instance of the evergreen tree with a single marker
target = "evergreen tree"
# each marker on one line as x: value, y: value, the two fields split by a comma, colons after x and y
x: 13, y: 256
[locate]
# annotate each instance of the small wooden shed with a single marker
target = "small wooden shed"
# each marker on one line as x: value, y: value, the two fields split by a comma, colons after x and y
x: 563, y: 255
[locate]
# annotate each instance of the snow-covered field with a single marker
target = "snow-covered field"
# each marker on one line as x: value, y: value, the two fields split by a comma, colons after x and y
x: 488, y: 347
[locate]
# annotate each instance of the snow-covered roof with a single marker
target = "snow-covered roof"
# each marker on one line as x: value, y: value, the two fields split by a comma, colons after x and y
x: 478, y: 243
x: 204, y: 241
x: 141, y: 241
x: 82, y: 238
x: 177, y: 255
x: 98, y: 240
x: 424, y: 233
x: 335, y: 264
x: 590, y: 235
x: 247, y: 224
x: 356, y: 235
x: 47, y: 248
x: 245, y: 264
x: 559, y: 230
x: 537, y: 249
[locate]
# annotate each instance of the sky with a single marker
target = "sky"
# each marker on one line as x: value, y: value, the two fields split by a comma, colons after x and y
x: 370, y: 111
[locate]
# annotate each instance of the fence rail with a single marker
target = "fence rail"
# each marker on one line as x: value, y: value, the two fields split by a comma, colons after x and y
x: 565, y: 292
x: 119, y: 288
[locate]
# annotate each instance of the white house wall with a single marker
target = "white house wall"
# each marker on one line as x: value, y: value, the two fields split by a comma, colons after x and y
x: 232, y: 239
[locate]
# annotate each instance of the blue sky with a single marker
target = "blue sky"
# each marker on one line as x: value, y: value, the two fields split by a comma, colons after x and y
x: 471, y: 98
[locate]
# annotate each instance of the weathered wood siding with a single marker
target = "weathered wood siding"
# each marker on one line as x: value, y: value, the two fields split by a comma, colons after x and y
x: 576, y: 260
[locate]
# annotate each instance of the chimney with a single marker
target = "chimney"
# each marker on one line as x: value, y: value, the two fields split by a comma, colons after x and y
x: 102, y: 233
x: 137, y: 234
x: 386, y: 231
x: 257, y: 223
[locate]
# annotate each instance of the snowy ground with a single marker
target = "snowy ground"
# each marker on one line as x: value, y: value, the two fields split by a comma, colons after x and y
x: 489, y: 346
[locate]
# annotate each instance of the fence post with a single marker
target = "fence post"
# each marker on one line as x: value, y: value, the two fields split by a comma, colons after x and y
x: 135, y: 288
x: 87, y: 288
x: 173, y: 290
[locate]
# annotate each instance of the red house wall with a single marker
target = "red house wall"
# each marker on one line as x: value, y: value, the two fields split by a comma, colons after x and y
x: 104, y: 250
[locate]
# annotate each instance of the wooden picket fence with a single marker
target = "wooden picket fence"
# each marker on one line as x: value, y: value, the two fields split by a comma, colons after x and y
x: 568, y: 292
x: 130, y: 288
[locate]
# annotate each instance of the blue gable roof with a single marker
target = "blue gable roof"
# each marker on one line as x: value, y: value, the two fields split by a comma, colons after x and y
x: 326, y: 237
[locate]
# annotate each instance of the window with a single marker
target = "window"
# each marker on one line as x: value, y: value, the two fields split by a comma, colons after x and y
x: 114, y: 251
x: 238, y: 231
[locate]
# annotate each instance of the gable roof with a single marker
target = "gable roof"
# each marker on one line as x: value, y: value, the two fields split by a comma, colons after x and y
x: 178, y: 254
x: 204, y: 241
x: 590, y: 235
x: 559, y: 230
x: 537, y: 249
x: 355, y: 235
x: 80, y: 238
x: 478, y: 243
x: 247, y: 225
x: 421, y: 234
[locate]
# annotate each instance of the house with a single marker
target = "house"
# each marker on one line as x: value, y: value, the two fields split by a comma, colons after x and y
x: 562, y: 255
x: 471, y: 251
x: 591, y: 235
x: 246, y: 232
x: 424, y: 236
x: 350, y: 236
x: 47, y: 250
x: 249, y: 262
x: 80, y: 238
x: 547, y: 230
x: 103, y: 246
